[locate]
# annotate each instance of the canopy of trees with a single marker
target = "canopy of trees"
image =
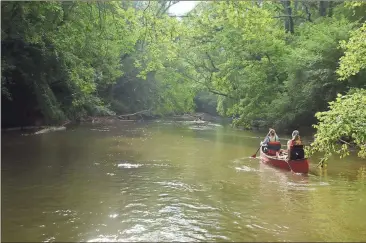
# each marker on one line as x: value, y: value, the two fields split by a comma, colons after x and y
x: 70, y: 59
x: 275, y: 62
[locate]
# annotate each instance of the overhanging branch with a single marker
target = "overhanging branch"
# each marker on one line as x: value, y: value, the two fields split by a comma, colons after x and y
x: 136, y: 113
x: 212, y: 63
x: 211, y: 90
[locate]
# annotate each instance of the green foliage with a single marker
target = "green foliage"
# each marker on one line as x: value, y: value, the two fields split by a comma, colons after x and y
x: 342, y: 126
x: 227, y: 58
x: 354, y: 59
x: 206, y: 102
x: 238, y: 50
x: 157, y: 58
x: 354, y: 10
x: 69, y: 54
x: 346, y: 117
x: 310, y: 68
x: 74, y: 44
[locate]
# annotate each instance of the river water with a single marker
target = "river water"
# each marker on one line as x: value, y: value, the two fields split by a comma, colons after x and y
x: 168, y: 181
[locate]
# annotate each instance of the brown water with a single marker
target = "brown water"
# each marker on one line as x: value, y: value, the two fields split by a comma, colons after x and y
x: 166, y: 181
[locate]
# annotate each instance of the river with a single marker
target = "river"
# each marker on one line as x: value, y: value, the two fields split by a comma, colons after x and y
x: 168, y: 181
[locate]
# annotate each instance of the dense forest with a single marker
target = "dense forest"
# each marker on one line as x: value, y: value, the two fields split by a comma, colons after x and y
x: 284, y: 64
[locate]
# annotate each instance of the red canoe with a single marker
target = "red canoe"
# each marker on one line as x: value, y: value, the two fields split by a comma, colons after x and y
x: 297, y: 166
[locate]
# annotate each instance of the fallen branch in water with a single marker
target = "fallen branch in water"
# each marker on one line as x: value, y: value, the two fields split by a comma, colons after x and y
x: 341, y: 140
x: 50, y: 129
x: 132, y: 114
x: 66, y: 123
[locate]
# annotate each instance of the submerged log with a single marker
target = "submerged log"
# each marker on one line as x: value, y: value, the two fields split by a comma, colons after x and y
x: 22, y: 128
x: 50, y: 129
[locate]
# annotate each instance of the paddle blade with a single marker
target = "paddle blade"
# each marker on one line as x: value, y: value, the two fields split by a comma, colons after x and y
x: 255, y: 155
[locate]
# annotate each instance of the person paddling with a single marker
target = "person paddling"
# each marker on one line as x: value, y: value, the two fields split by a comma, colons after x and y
x: 271, y: 137
x: 296, y: 140
x: 269, y: 141
x: 294, y: 152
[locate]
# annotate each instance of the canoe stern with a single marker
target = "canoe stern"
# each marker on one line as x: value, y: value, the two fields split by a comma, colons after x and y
x: 297, y: 166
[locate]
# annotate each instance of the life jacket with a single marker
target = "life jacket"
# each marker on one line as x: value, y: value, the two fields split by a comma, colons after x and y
x: 295, y: 142
x: 273, y: 147
x: 296, y: 152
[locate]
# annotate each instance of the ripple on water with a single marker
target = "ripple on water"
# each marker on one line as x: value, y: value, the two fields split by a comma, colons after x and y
x: 197, y: 207
x: 170, y: 223
x: 133, y: 205
x: 175, y: 221
x: 100, y: 130
x: 136, y: 229
x: 50, y: 239
x: 265, y: 227
x: 246, y: 169
x: 137, y: 165
x: 105, y: 238
x: 176, y: 185
x: 158, y: 236
x: 160, y: 165
x: 304, y: 186
x: 113, y: 216
x: 239, y: 160
x: 170, y: 209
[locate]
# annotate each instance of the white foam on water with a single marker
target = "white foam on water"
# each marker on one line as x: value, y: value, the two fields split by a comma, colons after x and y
x: 99, y: 130
x: 113, y: 216
x: 245, y: 168
x: 129, y: 166
x: 161, y: 165
x: 105, y: 238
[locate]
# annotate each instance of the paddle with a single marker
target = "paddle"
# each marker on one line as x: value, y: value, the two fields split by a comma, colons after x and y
x: 255, y: 155
x: 288, y: 160
x: 289, y: 166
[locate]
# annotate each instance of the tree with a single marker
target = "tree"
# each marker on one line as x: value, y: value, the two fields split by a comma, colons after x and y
x: 63, y: 51
x: 354, y: 59
x: 344, y: 124
x: 241, y: 52
x: 68, y: 56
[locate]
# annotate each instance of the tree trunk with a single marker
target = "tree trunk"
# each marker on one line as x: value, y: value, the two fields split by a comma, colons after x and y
x: 308, y: 13
x: 296, y: 5
x: 322, y: 8
x: 330, y: 9
x: 289, y: 22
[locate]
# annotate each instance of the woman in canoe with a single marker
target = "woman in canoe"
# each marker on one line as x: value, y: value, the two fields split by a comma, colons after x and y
x: 268, y: 142
x: 271, y: 137
x: 296, y: 140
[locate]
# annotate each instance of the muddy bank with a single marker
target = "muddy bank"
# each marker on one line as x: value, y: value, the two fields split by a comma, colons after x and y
x: 137, y: 118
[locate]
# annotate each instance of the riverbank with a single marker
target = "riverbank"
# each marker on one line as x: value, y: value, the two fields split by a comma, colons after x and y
x: 204, y: 117
x: 125, y: 118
